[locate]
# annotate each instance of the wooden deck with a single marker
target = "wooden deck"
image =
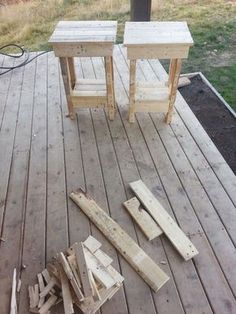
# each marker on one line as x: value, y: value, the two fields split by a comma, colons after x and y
x: 44, y: 156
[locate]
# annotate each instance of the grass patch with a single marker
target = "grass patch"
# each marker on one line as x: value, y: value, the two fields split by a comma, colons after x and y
x: 212, y: 24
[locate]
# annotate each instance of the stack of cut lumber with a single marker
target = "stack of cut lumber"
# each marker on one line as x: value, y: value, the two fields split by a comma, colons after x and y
x: 82, y: 276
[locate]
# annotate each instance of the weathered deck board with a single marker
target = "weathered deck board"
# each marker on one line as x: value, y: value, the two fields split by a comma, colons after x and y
x: 17, y: 187
x: 45, y: 155
x: 35, y: 215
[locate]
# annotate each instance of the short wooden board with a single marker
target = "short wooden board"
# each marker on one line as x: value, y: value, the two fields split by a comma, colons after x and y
x: 83, y: 270
x: 177, y: 237
x: 143, y: 219
x: 135, y: 256
x: 99, y: 272
x: 92, y: 244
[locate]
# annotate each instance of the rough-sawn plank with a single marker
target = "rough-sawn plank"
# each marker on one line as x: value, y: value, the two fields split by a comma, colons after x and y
x: 134, y: 255
x: 177, y: 237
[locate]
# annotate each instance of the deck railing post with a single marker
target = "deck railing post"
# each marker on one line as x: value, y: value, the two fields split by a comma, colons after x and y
x: 140, y: 10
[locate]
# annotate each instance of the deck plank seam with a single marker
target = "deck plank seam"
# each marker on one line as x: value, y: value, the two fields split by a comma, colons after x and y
x: 28, y: 169
x: 2, y: 217
x: 64, y: 157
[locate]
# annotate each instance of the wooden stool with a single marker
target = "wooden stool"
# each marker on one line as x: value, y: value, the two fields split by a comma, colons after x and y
x: 156, y: 40
x: 86, y: 39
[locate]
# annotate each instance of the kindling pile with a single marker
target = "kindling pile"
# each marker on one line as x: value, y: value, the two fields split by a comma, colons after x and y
x: 82, y: 277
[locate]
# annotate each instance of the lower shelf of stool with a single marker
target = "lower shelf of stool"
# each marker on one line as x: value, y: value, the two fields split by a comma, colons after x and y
x: 89, y: 93
x: 152, y: 97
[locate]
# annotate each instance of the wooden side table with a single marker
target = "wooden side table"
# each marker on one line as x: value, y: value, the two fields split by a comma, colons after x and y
x: 86, y: 39
x: 156, y: 40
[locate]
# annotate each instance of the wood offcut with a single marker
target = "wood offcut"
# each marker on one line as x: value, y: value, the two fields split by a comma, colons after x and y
x: 78, y: 277
x: 135, y: 256
x: 146, y: 223
x: 177, y: 237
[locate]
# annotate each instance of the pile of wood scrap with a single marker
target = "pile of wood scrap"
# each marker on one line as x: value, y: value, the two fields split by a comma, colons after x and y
x: 82, y: 277
x: 153, y: 220
x: 153, y: 275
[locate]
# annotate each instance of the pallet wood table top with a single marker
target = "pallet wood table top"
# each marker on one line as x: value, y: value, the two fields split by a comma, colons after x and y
x: 84, y: 32
x: 157, y: 33
x: 164, y: 40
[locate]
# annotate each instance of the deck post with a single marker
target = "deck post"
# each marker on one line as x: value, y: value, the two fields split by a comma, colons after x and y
x: 140, y: 10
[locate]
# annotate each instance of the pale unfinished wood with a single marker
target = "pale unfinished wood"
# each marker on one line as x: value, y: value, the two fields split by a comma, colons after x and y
x: 173, y: 88
x: 88, y: 102
x: 84, y: 32
x: 163, y: 52
x: 110, y: 87
x: 184, y: 81
x: 137, y: 258
x: 177, y: 237
x: 104, y: 259
x: 115, y: 274
x: 47, y: 277
x: 47, y: 305
x: 96, y: 294
x: 98, y: 270
x: 18, y: 285
x: 90, y: 85
x: 157, y: 33
x: 151, y: 106
x: 73, y: 265
x: 41, y: 288
x: 71, y: 66
x: 149, y: 227
x: 83, y: 270
x: 66, y: 294
x: 157, y: 94
x: 92, y: 244
x: 71, y: 50
x: 48, y: 288
x: 13, y: 309
x: 71, y: 39
x: 132, y: 90
x: 157, y: 40
x: 65, y: 77
x: 33, y: 296
x: 70, y: 276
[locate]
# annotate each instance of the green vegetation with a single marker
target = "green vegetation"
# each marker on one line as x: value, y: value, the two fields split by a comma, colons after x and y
x: 212, y: 24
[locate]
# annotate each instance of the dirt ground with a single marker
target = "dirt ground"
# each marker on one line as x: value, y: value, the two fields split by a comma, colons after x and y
x: 216, y: 119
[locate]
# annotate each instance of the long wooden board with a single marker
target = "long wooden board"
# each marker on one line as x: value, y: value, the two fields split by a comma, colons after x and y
x: 134, y: 255
x: 177, y: 237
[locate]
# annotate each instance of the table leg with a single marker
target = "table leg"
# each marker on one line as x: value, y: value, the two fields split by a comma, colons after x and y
x: 174, y: 73
x: 110, y: 87
x: 66, y: 81
x: 71, y: 66
x: 132, y: 89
